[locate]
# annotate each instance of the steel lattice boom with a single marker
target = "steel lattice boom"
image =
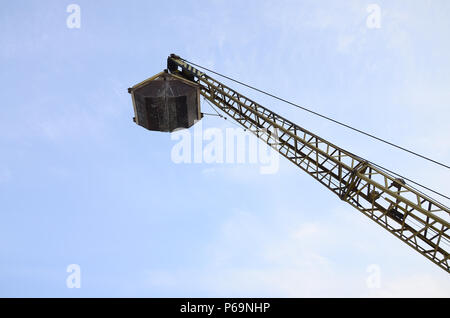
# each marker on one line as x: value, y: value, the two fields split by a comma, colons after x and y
x: 413, y: 217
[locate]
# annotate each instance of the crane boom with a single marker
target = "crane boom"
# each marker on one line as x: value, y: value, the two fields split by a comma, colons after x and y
x: 418, y: 220
x: 413, y: 217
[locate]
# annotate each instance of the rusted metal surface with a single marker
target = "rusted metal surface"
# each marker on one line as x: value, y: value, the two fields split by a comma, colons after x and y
x: 165, y: 103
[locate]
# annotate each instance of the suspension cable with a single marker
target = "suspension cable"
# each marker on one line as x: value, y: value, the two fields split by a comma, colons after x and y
x: 342, y: 124
x: 323, y: 116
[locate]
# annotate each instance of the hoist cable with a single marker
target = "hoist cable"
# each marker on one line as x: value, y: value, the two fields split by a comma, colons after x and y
x: 342, y: 124
x: 323, y: 116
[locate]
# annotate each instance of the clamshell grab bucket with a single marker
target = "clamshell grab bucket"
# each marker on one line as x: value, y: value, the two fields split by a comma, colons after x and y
x: 166, y: 102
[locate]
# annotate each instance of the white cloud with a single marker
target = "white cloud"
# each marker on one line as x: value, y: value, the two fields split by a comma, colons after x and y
x: 418, y: 285
x: 283, y: 255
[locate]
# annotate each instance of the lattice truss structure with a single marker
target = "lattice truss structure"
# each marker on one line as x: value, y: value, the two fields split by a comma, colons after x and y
x: 410, y: 215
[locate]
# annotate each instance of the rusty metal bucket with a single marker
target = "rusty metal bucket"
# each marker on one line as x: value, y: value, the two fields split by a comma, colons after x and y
x: 165, y: 102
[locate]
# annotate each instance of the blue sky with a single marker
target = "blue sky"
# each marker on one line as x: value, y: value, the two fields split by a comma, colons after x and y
x: 80, y: 183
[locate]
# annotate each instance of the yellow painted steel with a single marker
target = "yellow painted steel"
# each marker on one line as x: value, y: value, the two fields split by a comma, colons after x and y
x: 418, y: 220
